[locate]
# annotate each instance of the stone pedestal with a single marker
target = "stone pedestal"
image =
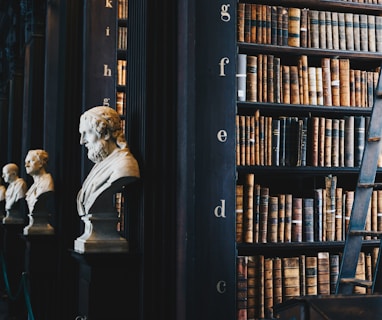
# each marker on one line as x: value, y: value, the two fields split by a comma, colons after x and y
x: 17, y: 214
x: 108, y: 286
x: 100, y: 235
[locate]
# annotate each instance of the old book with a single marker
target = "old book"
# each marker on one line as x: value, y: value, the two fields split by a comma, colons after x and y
x: 277, y: 281
x: 304, y: 28
x: 253, y: 23
x: 291, y: 277
x: 288, y: 217
x: 251, y: 85
x: 321, y: 142
x: 272, y: 219
x: 262, y: 140
x: 341, y: 134
x: 303, y: 141
x: 378, y: 33
x: 341, y: 31
x: 239, y: 212
x: 363, y: 32
x: 241, y: 76
x: 374, y: 212
x: 318, y: 205
x: 259, y: 23
x: 248, y: 207
x: 263, y: 221
x: 371, y: 33
x: 260, y: 77
x: 294, y: 85
x: 323, y: 273
x: 335, y: 34
x: 349, y: 33
x: 357, y: 88
x: 273, y: 25
x: 240, y: 22
x: 252, y: 140
x: 334, y: 260
x: 285, y: 76
x: 322, y: 29
x: 294, y: 27
x: 314, y: 29
x: 241, y: 287
x: 338, y: 216
x: 285, y: 26
x: 268, y: 287
x: 281, y: 218
x: 311, y: 275
x: 268, y: 14
x: 256, y: 212
x: 269, y: 141
x: 330, y: 192
x: 257, y: 137
x: 328, y: 30
x: 319, y: 88
x: 277, y: 80
x: 359, y: 139
x: 335, y: 143
x: 360, y: 273
x: 260, y: 281
x: 251, y: 288
x: 349, y: 199
x: 297, y: 220
x: 328, y: 142
x: 247, y: 140
x: 326, y: 81
x: 379, y: 210
x: 308, y: 219
x: 368, y: 270
x: 352, y: 87
x: 314, y: 141
x: 283, y: 137
x: 270, y: 78
x: 120, y: 102
x: 324, y: 207
x: 264, y: 78
x: 247, y: 22
x: 302, y: 275
x: 237, y: 133
x: 242, y: 129
x: 312, y: 86
x: 280, y: 10
x: 335, y: 81
x: 344, y: 76
x: 356, y: 34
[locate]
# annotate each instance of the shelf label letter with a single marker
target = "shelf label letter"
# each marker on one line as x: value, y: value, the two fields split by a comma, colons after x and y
x: 107, y: 31
x: 106, y: 102
x: 221, y: 286
x: 222, y: 64
x: 109, y: 4
x: 220, y: 210
x: 106, y: 71
x: 222, y: 135
x: 225, y: 16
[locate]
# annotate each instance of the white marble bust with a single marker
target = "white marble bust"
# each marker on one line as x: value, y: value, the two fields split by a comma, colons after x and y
x: 40, y: 193
x: 14, y: 195
x: 115, y: 166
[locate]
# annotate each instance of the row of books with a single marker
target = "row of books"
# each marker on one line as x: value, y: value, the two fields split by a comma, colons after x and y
x: 300, y: 141
x: 122, y: 38
x: 264, y: 78
x: 265, y: 282
x: 302, y: 27
x: 123, y: 9
x: 264, y: 217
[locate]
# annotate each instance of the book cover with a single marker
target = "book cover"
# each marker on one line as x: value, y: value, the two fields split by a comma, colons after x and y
x: 291, y: 277
x: 277, y: 281
x: 356, y: 34
x: 328, y: 142
x: 297, y: 220
x: 241, y: 76
x: 281, y: 218
x: 251, y: 79
x: 272, y: 219
x: 371, y: 33
x: 323, y: 273
x: 308, y: 220
x: 253, y: 23
x: 294, y: 27
x: 364, y: 33
x: 341, y: 30
x: 335, y: 34
x: 239, y: 213
x: 247, y: 22
x: 241, y: 287
x: 349, y: 33
x: 248, y: 207
x: 311, y: 275
x: 263, y: 222
x: 322, y: 29
x: 314, y: 29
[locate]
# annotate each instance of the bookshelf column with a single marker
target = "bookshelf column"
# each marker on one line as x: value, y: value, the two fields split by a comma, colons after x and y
x: 215, y: 159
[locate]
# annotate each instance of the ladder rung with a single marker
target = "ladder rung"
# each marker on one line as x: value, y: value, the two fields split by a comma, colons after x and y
x: 374, y: 139
x: 365, y: 233
x: 357, y: 282
x: 375, y: 185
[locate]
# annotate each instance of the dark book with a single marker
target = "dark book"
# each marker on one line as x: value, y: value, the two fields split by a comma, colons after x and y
x: 281, y: 218
x: 303, y: 141
x: 240, y: 22
x: 352, y: 87
x: 247, y: 22
x: 283, y: 136
x: 321, y: 142
x: 334, y: 260
x: 314, y: 141
x: 260, y: 281
x: 285, y: 26
x: 359, y: 139
x: 319, y: 87
x: 302, y: 275
x: 288, y: 218
x: 304, y: 83
x: 275, y: 142
x: 241, y: 287
x: 276, y: 80
x: 273, y: 207
x: 318, y: 204
x: 263, y: 221
x: 294, y: 27
x: 247, y: 140
x: 256, y: 213
x: 335, y: 142
x: 273, y: 25
x: 341, y: 134
x: 259, y: 23
x: 308, y: 219
x: 297, y: 220
x: 270, y: 78
x: 268, y: 287
x: 280, y: 10
x: 294, y: 85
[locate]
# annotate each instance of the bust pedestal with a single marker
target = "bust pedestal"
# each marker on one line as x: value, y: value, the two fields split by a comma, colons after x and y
x: 108, y: 286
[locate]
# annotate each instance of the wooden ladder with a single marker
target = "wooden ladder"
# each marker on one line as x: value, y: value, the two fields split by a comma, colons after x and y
x: 365, y: 186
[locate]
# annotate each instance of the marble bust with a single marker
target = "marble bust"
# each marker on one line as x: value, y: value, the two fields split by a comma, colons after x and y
x: 14, y: 195
x: 114, y: 167
x: 39, y: 196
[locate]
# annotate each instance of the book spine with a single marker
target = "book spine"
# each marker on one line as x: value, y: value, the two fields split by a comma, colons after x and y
x: 277, y: 281
x: 312, y: 86
x: 378, y: 33
x: 356, y: 32
x: 294, y: 27
x: 251, y: 85
x: 334, y: 260
x: 251, y: 288
x: 318, y: 204
x: 344, y: 76
x: 314, y: 141
x: 275, y: 142
x: 272, y: 219
x: 240, y: 22
x: 371, y: 33
x: 291, y: 276
x: 349, y: 33
x: 341, y: 30
x: 304, y: 28
x: 323, y: 273
x: 326, y: 81
x: 335, y: 81
x: 335, y: 34
x: 263, y: 223
x: 311, y: 275
x: 239, y: 213
x: 253, y: 23
x: 328, y: 142
x: 314, y: 29
x: 321, y: 142
x: 349, y: 199
x: 328, y: 29
x: 281, y: 218
x: 338, y: 216
x: 341, y: 134
x: 241, y: 76
x: 319, y: 88
x: 247, y: 22
x: 241, y: 287
x: 297, y: 220
x: 285, y: 84
x: 359, y: 139
x: 288, y: 218
x: 335, y: 142
x: 248, y: 207
x: 322, y: 29
x: 268, y: 287
x: 308, y: 219
x: 294, y: 85
x: 363, y: 32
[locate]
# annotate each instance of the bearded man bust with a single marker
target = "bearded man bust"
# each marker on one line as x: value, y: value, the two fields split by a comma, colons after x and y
x: 115, y: 167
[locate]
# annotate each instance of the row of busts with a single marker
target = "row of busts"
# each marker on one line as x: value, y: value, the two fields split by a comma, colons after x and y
x: 38, y: 197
